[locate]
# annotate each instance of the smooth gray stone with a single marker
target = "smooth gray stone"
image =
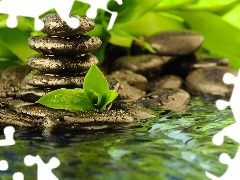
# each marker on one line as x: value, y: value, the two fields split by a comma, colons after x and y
x: 61, y: 64
x: 11, y: 80
x: 147, y: 65
x: 55, y: 26
x: 136, y: 80
x: 38, y: 110
x: 167, y: 81
x: 210, y: 62
x: 71, y: 120
x: 169, y: 99
x: 15, y: 74
x: 19, y: 120
x: 3, y: 103
x: 29, y: 115
x: 6, y: 89
x: 136, y: 111
x: 129, y: 93
x: 38, y: 79
x: 209, y: 81
x: 32, y: 95
x: 64, y: 46
x: 175, y: 43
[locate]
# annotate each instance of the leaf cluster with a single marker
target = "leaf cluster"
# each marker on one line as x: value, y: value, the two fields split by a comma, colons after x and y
x: 216, y: 20
x: 94, y: 95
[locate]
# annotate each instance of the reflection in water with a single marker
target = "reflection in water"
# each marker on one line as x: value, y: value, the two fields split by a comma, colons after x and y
x: 175, y: 145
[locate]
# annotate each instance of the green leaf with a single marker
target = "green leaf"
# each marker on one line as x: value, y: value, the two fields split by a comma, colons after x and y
x: 96, y: 86
x: 216, y: 6
x: 6, y: 54
x: 25, y: 24
x: 79, y: 8
x: 3, y: 19
x: 132, y: 9
x: 8, y: 63
x: 148, y: 25
x: 121, y: 37
x: 151, y: 23
x: 220, y: 38
x: 68, y: 99
x: 111, y: 96
x: 17, y: 42
x: 233, y: 17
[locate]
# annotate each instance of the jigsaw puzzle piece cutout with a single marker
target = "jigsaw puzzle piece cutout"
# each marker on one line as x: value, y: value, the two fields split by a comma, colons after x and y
x: 63, y: 9
x: 222, y: 104
x: 34, y: 9
x: 8, y: 132
x: 101, y: 4
x: 3, y: 165
x: 18, y: 176
x: 44, y: 170
x: 232, y: 172
x: 231, y: 131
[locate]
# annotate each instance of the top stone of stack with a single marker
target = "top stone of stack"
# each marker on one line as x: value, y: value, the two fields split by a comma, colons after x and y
x: 55, y: 26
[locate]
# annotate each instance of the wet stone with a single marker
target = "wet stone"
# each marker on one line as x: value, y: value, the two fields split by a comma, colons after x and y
x: 7, y: 90
x: 66, y: 119
x: 210, y: 62
x: 175, y: 43
x: 136, y: 80
x: 20, y: 120
x: 136, y: 111
x: 91, y: 120
x: 168, y: 99
x: 113, y: 83
x: 59, y: 46
x: 14, y: 75
x: 38, y: 110
x: 3, y: 103
x: 168, y: 81
x: 32, y: 95
x: 147, y: 65
x: 208, y: 81
x: 62, y: 64
x: 54, y: 80
x: 129, y: 93
x: 55, y: 26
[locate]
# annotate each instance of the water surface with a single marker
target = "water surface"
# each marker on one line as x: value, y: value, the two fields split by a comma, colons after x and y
x: 173, y: 146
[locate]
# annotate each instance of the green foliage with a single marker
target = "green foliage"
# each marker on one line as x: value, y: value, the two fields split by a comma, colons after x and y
x: 94, y: 95
x: 97, y: 89
x: 216, y: 20
x: 68, y: 99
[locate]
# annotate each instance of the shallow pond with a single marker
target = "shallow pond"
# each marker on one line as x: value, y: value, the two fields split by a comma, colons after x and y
x: 174, y: 146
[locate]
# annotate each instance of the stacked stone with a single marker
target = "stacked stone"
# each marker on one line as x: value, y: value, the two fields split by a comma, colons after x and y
x: 64, y: 60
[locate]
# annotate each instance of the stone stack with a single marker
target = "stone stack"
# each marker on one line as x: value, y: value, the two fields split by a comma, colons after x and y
x: 64, y: 60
